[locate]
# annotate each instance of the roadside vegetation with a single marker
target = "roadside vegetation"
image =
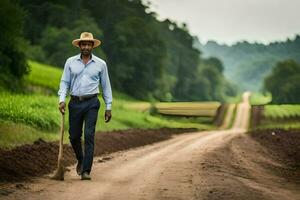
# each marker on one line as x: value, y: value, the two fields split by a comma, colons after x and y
x: 271, y: 116
x: 27, y: 117
x: 260, y: 99
x: 285, y: 116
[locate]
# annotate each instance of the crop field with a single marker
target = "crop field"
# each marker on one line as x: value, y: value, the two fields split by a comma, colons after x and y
x: 34, y: 110
x: 282, y: 111
x: 187, y: 109
x: 139, y: 106
x: 286, y: 116
x: 44, y: 75
x: 27, y: 117
x: 201, y: 109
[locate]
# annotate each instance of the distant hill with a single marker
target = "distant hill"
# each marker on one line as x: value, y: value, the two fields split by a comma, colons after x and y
x: 246, y: 64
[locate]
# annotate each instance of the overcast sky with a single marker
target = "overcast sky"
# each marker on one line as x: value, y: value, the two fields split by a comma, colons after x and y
x: 228, y: 21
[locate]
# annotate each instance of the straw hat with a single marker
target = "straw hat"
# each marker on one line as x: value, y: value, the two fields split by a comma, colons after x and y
x: 86, y: 36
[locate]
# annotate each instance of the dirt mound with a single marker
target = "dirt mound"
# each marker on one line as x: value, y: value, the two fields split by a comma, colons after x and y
x: 41, y: 157
x: 108, y: 142
x: 284, y: 147
x: 255, y: 166
x: 256, y: 115
x: 31, y: 160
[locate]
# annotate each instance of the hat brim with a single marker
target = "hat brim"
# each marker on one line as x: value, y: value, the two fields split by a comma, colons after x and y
x: 96, y: 42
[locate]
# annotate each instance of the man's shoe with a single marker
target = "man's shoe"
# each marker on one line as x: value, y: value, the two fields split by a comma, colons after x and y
x: 85, y: 176
x: 78, y: 168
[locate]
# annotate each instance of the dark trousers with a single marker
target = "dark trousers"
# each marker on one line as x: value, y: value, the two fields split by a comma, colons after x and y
x: 83, y: 112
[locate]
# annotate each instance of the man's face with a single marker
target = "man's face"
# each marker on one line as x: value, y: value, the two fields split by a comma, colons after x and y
x: 86, y: 47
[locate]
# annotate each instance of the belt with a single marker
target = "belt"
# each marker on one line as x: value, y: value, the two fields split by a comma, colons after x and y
x: 83, y: 98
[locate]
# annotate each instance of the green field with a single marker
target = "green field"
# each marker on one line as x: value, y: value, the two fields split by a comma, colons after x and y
x: 285, y: 111
x: 44, y: 75
x: 26, y: 117
x: 200, y: 109
x: 138, y: 106
x: 187, y: 109
x: 34, y: 110
x: 281, y: 116
x: 260, y: 99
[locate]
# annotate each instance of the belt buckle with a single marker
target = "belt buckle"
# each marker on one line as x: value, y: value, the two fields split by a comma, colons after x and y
x: 81, y: 98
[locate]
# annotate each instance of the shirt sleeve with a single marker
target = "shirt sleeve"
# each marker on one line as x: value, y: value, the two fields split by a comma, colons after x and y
x: 106, y: 87
x: 64, y: 83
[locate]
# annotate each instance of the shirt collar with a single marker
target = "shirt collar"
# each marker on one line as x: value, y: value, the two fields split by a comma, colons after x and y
x: 79, y: 58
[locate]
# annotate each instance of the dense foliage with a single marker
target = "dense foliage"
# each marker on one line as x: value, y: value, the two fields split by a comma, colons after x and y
x: 12, y: 59
x: 147, y: 58
x: 283, y: 82
x: 246, y: 64
x: 284, y: 111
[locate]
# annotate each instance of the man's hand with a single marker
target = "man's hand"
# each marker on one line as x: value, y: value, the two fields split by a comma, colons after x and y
x: 107, y: 115
x: 62, y: 107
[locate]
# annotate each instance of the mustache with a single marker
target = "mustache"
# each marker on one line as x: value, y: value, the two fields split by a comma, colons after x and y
x: 86, y: 50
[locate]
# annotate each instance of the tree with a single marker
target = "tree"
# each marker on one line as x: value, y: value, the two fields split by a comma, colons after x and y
x: 283, y: 82
x: 140, y: 52
x: 56, y: 42
x: 146, y: 58
x: 12, y: 58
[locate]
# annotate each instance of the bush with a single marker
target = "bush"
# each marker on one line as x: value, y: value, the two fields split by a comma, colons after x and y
x: 12, y: 59
x: 283, y: 83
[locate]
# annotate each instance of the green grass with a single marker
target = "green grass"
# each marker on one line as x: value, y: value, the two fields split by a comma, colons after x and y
x: 139, y: 106
x: 260, y: 99
x: 25, y: 118
x: 185, y: 109
x: 124, y: 118
x: 34, y: 110
x: 15, y: 134
x: 231, y: 120
x: 233, y: 116
x: 284, y: 111
x: 235, y: 99
x: 280, y: 125
x: 281, y: 117
x: 44, y: 75
x: 201, y: 109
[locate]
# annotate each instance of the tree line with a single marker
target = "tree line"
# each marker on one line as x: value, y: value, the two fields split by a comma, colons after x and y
x: 284, y: 82
x: 258, y: 67
x: 147, y: 58
x: 246, y: 64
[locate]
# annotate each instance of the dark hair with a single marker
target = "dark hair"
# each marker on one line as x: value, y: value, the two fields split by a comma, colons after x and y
x: 86, y: 41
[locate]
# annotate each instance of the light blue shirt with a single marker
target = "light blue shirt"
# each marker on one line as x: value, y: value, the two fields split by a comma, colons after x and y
x: 80, y: 80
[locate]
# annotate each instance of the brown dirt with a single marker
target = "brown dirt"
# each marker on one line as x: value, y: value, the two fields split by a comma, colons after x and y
x: 228, y: 117
x: 256, y: 115
x: 31, y: 160
x: 220, y: 115
x: 40, y: 158
x: 284, y: 147
x: 209, y: 165
x: 253, y: 166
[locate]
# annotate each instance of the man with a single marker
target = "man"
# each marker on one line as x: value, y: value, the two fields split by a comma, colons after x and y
x: 81, y: 77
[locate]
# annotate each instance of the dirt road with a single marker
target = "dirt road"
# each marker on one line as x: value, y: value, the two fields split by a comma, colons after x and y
x: 202, y: 165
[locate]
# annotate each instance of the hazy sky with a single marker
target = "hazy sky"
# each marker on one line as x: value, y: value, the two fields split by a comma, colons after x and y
x: 228, y: 21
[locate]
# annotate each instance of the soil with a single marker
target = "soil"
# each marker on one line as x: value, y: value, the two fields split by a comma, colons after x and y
x: 257, y: 165
x: 201, y: 165
x: 208, y: 165
x: 219, y: 117
x: 40, y: 158
x: 283, y: 146
x: 256, y: 115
